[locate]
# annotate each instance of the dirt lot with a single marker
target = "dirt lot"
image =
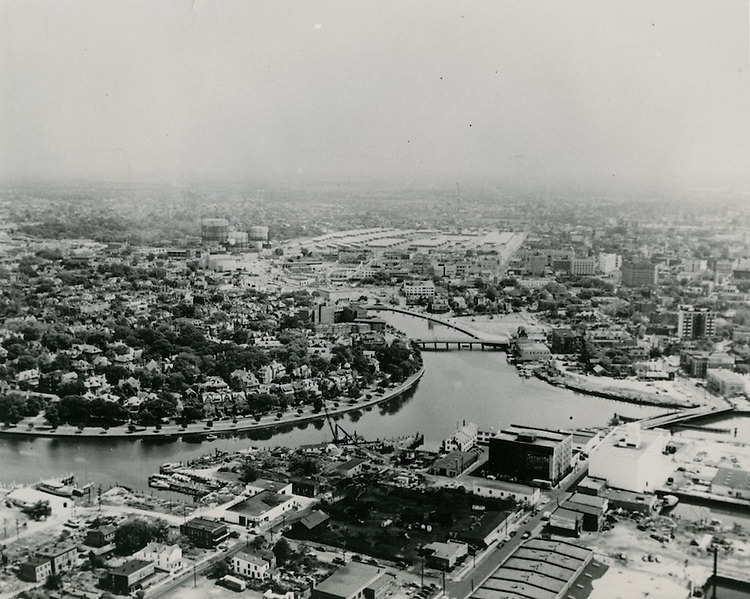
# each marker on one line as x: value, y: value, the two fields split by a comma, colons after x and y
x: 641, y: 566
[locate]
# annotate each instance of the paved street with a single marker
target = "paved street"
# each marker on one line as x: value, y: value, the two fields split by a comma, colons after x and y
x: 474, y: 577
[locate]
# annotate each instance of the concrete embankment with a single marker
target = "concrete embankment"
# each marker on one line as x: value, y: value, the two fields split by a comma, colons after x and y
x: 218, y: 427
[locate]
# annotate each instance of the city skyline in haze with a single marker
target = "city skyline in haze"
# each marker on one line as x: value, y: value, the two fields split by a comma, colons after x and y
x: 644, y: 96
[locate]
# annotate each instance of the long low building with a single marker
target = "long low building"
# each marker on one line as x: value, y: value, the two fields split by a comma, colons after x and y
x: 355, y: 581
x: 540, y: 569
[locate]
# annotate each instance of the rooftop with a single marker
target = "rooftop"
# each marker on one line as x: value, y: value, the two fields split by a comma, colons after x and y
x: 129, y: 567
x: 733, y: 478
x: 259, y: 504
x: 349, y: 580
x: 205, y: 524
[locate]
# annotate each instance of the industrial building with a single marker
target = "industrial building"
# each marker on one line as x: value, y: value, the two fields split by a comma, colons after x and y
x: 731, y: 482
x: 354, y: 581
x: 214, y: 231
x: 530, y: 454
x: 725, y: 382
x: 540, y: 569
x: 632, y: 459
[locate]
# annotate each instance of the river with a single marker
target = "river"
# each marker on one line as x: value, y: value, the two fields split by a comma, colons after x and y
x: 472, y: 386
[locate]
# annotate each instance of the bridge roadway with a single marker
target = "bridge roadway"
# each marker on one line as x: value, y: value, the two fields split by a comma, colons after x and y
x: 487, y: 338
x: 684, y: 416
x: 449, y: 344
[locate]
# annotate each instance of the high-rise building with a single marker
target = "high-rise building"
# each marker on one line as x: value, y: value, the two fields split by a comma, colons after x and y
x: 583, y: 266
x: 695, y: 323
x: 609, y: 262
x: 528, y: 454
x: 639, y: 273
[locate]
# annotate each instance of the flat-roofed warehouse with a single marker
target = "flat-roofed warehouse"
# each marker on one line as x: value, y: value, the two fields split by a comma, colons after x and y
x: 540, y: 569
x: 355, y: 581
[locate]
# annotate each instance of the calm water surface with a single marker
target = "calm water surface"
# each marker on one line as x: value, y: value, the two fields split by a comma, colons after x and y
x: 473, y: 386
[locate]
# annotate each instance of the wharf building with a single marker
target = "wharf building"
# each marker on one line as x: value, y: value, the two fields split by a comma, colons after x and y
x: 530, y: 454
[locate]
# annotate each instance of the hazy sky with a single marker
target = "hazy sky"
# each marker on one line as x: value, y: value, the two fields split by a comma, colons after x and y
x: 598, y: 94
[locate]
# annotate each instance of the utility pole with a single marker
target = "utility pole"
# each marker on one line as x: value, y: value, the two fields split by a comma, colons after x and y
x: 422, y: 585
x: 194, y: 577
x: 715, y: 576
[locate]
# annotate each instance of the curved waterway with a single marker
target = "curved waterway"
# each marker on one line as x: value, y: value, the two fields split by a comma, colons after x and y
x: 457, y: 386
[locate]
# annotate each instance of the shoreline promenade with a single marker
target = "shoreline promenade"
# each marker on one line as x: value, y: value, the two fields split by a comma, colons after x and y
x: 201, y: 429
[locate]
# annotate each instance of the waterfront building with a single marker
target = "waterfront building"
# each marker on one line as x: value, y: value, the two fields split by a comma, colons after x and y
x: 725, y: 382
x: 698, y: 364
x: 528, y: 454
x: 204, y: 532
x: 631, y: 459
x: 354, y: 581
x: 695, y: 323
x: 532, y: 351
x: 639, y: 273
x: 262, y: 507
x: 463, y: 439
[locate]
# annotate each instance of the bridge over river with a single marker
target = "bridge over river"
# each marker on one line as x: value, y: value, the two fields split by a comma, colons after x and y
x: 683, y: 416
x: 476, y: 339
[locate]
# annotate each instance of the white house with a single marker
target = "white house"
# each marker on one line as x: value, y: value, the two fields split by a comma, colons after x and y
x: 164, y: 557
x: 251, y: 566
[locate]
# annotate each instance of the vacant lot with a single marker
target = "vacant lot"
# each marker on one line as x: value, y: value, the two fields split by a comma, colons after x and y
x: 391, y: 522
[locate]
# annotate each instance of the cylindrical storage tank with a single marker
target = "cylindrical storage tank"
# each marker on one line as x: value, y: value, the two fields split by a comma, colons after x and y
x: 214, y: 231
x: 259, y: 233
x: 237, y: 239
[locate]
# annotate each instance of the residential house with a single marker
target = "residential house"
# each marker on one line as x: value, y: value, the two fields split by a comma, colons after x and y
x: 250, y: 565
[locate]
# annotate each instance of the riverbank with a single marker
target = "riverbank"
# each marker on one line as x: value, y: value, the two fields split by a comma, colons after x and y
x: 30, y: 427
x: 580, y: 385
